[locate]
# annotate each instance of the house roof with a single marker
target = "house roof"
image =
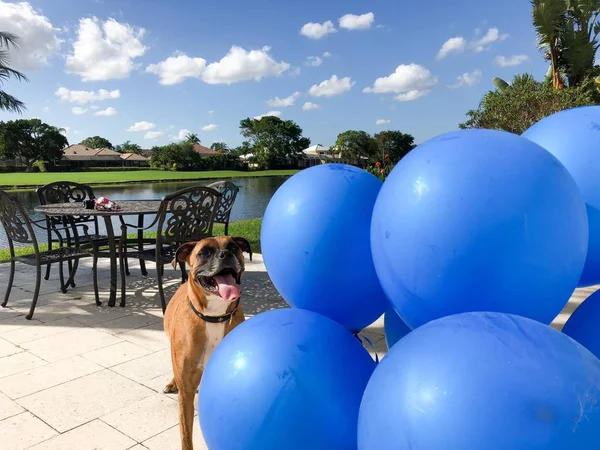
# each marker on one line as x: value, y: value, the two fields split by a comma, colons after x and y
x: 81, y: 152
x: 315, y: 149
x: 134, y: 157
x: 202, y: 150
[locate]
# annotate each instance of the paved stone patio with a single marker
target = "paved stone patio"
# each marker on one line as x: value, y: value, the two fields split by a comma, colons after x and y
x: 83, y: 377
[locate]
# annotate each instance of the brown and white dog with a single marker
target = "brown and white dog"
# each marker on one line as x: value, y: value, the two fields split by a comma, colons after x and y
x: 200, y: 314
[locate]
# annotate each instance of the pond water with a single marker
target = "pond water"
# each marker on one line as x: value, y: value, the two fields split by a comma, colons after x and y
x: 251, y: 201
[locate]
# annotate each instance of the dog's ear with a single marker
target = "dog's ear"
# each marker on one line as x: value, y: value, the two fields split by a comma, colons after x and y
x: 243, y: 244
x: 183, y: 253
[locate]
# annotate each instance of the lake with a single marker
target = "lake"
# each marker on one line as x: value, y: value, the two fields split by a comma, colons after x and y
x: 251, y: 201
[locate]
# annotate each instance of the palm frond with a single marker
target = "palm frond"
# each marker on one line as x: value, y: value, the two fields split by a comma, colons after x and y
x: 7, y: 39
x: 10, y: 103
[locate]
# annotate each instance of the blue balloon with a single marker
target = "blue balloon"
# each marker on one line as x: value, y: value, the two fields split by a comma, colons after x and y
x: 479, y: 220
x: 315, y: 244
x: 285, y: 379
x: 394, y: 327
x: 477, y: 381
x: 573, y: 136
x: 583, y: 325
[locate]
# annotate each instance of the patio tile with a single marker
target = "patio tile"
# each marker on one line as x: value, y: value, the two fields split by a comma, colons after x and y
x: 23, y: 430
x: 116, y: 354
x: 65, y: 345
x: 8, y: 408
x: 95, y: 435
x: 44, y: 377
x: 19, y: 362
x: 153, y: 371
x: 77, y: 402
x: 16, y: 322
x: 171, y: 440
x: 152, y: 337
x: 49, y: 311
x: 8, y: 348
x: 146, y: 418
x: 40, y: 330
x: 127, y: 323
x: 7, y: 313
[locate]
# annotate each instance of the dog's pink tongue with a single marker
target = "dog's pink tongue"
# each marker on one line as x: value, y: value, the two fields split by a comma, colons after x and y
x: 229, y: 290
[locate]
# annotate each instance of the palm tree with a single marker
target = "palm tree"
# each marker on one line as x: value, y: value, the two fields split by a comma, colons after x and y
x: 7, y: 101
x: 193, y: 138
x: 220, y: 147
x: 549, y: 17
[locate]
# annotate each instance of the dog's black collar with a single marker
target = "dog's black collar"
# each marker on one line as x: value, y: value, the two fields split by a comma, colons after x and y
x: 215, y: 319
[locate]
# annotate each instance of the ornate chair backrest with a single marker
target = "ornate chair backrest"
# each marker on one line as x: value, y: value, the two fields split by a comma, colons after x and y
x: 229, y: 193
x: 68, y: 192
x: 187, y: 215
x: 16, y: 222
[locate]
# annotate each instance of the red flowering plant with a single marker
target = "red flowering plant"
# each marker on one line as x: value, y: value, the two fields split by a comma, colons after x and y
x: 381, y: 169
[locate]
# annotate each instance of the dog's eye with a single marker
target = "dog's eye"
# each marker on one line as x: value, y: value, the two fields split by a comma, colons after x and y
x: 205, y: 252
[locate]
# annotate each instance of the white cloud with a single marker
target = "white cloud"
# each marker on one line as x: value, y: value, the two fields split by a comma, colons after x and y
x: 283, y: 102
x: 357, y: 22
x: 209, y: 127
x: 175, y: 69
x: 153, y: 134
x: 511, y: 61
x: 110, y: 111
x: 211, y: 112
x: 45, y: 109
x: 316, y: 61
x: 333, y: 86
x: 468, y: 79
x: 452, y: 45
x: 105, y: 50
x: 310, y: 106
x: 270, y: 113
x: 86, y: 97
x: 78, y: 111
x: 484, y: 42
x: 241, y: 65
x: 182, y: 134
x: 141, y: 126
x: 409, y: 81
x: 382, y: 121
x: 314, y: 30
x: 39, y: 39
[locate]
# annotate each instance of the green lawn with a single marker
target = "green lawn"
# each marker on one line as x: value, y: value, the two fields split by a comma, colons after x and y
x: 250, y: 229
x: 25, y: 180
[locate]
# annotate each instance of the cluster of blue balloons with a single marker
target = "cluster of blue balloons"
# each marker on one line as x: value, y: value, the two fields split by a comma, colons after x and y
x: 471, y: 247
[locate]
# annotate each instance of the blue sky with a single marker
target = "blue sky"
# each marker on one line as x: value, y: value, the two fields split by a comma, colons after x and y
x: 103, y: 67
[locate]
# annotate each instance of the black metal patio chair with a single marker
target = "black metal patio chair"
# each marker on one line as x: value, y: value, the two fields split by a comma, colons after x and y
x: 228, y: 192
x: 184, y: 216
x: 19, y: 228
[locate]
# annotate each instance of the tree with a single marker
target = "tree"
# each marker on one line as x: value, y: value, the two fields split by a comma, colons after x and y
x: 176, y: 155
x: 129, y: 147
x: 30, y: 140
x: 96, y: 142
x: 358, y: 147
x: 220, y: 147
x: 193, y: 138
x: 7, y: 101
x: 525, y: 103
x: 272, y: 139
x: 394, y: 144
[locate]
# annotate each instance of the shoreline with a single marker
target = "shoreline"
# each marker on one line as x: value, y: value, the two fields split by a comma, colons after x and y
x: 211, y: 175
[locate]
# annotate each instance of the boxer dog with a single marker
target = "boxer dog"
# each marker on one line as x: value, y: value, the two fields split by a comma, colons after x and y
x: 199, y: 315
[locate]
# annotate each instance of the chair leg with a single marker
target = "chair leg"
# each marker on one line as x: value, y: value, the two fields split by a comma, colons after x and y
x: 95, y: 276
x: 11, y: 278
x: 183, y: 272
x: 227, y: 228
x: 70, y: 266
x: 36, y: 292
x: 48, y: 266
x: 122, y: 263
x: 72, y: 272
x: 61, y: 277
x: 160, y: 271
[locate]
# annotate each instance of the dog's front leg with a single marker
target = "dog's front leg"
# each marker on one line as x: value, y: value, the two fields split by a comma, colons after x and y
x: 187, y: 391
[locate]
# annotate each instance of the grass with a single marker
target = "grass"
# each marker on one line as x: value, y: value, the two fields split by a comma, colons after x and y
x: 249, y: 229
x: 101, y: 177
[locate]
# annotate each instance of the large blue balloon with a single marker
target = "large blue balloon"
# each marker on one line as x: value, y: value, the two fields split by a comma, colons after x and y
x: 285, y: 379
x: 476, y: 381
x: 573, y: 136
x: 479, y: 220
x: 584, y: 324
x: 315, y: 244
x: 394, y: 327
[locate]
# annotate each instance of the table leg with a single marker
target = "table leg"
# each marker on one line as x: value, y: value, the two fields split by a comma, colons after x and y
x: 141, y: 243
x: 112, y: 251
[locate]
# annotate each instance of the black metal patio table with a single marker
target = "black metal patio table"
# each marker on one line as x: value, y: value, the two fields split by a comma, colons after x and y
x: 138, y: 208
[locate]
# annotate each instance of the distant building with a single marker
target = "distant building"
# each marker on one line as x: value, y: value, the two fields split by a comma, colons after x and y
x: 81, y: 156
x: 205, y: 151
x: 319, y: 154
x: 135, y: 160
